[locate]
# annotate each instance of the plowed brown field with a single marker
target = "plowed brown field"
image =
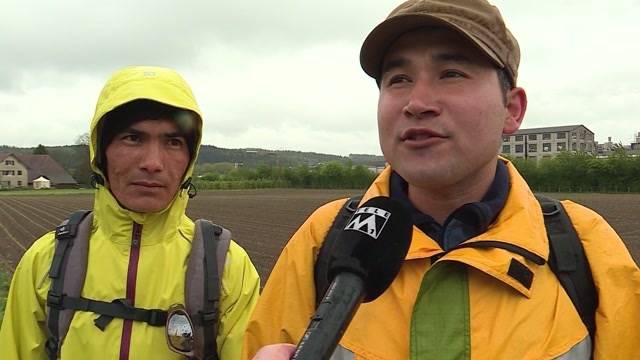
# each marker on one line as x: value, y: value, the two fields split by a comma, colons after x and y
x: 260, y: 220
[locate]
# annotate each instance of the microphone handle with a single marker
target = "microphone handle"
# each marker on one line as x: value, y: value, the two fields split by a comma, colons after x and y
x: 332, y: 317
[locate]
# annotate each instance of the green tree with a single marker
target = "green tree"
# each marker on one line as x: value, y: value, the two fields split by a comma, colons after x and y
x: 83, y: 139
x: 81, y: 167
x: 333, y: 175
x: 40, y: 150
x: 361, y: 177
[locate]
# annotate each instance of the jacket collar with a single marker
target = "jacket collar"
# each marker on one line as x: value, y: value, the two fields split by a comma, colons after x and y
x: 518, y: 231
x: 465, y: 222
x: 116, y: 223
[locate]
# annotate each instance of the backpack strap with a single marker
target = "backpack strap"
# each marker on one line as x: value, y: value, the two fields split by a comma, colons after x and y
x: 72, y: 244
x: 568, y: 261
x: 202, y: 285
x: 67, y: 272
x: 321, y: 269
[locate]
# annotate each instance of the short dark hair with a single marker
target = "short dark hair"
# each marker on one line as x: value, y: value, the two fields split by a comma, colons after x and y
x: 506, y: 83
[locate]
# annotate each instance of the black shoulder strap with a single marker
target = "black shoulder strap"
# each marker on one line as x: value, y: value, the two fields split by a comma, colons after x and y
x: 568, y: 261
x: 321, y: 268
x: 203, y: 282
x: 72, y: 241
x: 202, y: 285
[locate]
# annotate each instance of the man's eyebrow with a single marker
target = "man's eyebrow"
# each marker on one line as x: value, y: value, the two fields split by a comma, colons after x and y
x: 131, y: 130
x: 175, y: 134
x: 445, y: 57
x: 392, y: 64
x: 134, y: 131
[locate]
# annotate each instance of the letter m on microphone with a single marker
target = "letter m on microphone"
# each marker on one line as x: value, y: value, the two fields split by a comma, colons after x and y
x: 369, y: 220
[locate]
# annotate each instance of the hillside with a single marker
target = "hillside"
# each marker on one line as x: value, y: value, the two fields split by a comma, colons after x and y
x: 252, y: 157
x: 74, y: 158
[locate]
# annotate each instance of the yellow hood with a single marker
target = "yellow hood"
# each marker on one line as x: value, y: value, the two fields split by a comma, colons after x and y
x: 133, y: 83
x: 144, y: 82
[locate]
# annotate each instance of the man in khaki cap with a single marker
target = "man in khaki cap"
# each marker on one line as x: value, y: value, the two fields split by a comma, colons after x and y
x: 475, y: 283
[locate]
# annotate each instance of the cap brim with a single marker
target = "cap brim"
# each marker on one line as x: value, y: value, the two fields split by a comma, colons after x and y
x: 377, y: 43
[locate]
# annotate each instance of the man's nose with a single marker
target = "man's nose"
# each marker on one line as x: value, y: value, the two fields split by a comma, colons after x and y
x: 152, y: 158
x: 422, y: 102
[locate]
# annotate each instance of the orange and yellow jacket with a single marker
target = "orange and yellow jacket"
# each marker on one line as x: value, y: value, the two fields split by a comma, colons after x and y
x: 465, y: 305
x: 157, y: 258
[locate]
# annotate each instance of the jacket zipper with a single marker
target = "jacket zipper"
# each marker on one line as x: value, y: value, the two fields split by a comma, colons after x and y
x: 132, y: 273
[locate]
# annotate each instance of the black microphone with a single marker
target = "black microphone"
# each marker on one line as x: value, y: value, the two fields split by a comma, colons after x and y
x: 363, y: 261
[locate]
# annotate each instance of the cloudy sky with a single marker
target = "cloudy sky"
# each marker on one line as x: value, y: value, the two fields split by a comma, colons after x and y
x: 284, y: 74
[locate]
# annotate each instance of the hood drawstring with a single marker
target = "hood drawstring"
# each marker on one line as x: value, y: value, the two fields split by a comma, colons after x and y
x: 96, y: 179
x: 192, y: 191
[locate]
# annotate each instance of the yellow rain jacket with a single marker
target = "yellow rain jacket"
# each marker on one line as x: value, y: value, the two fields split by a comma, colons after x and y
x: 493, y: 315
x: 160, y: 263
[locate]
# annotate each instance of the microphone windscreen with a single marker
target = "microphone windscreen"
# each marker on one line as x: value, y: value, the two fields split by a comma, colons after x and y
x: 373, y: 244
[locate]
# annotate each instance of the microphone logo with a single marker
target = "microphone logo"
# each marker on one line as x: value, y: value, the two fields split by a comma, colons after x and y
x: 369, y: 220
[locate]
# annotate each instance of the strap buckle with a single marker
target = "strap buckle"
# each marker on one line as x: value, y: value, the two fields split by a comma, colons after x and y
x: 64, y: 230
x: 157, y: 317
x: 54, y: 300
x: 546, y: 211
x: 51, y: 347
x: 208, y: 317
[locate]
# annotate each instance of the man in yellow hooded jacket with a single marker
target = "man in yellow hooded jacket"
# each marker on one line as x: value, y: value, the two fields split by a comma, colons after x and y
x: 145, y: 137
x: 475, y: 283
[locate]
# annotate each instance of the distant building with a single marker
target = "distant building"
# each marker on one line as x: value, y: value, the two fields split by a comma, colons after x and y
x: 605, y: 148
x: 41, y: 183
x: 547, y: 142
x: 13, y: 173
x: 636, y: 144
x: 376, y: 169
x: 20, y: 170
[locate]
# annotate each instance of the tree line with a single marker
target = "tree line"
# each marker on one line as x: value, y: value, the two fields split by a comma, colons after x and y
x: 582, y: 172
x: 330, y: 175
x: 567, y: 172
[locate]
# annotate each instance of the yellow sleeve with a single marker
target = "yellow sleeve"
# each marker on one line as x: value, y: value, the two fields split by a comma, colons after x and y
x: 288, y: 299
x: 617, y: 280
x: 23, y: 333
x: 240, y: 292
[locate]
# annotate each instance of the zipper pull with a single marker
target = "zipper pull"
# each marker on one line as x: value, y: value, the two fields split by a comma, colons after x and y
x: 137, y: 234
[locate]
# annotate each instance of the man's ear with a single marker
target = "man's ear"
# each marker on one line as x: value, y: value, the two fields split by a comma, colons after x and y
x: 516, y: 107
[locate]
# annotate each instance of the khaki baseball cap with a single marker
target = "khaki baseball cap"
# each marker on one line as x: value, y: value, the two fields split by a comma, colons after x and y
x: 477, y: 20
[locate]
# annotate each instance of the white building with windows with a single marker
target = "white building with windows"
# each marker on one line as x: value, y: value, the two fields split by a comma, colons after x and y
x: 547, y: 142
x: 20, y: 170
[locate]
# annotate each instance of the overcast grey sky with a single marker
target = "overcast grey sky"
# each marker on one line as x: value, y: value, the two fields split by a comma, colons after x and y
x: 284, y: 74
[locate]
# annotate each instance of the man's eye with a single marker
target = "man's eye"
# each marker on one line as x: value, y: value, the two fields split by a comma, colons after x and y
x: 131, y: 138
x: 452, y: 74
x: 176, y: 142
x: 398, y: 79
